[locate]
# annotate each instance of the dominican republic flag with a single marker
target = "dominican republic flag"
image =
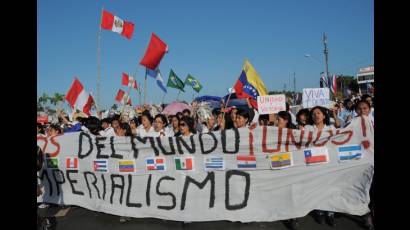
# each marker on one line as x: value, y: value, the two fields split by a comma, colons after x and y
x: 123, y: 97
x: 316, y: 155
x: 100, y: 165
x: 184, y: 163
x: 71, y: 163
x: 333, y: 84
x: 157, y: 75
x: 78, y: 98
x: 116, y: 24
x: 126, y: 165
x: 246, y: 162
x: 350, y: 152
x: 155, y: 163
x: 154, y: 53
x: 214, y: 163
x: 129, y: 81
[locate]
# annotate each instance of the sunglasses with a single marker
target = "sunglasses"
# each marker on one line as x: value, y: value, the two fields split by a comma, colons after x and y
x: 182, y: 124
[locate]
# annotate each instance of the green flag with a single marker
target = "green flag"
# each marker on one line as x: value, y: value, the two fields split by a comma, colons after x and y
x: 175, y: 82
x: 193, y: 82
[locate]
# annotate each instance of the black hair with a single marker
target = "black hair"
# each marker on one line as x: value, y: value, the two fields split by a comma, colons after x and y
x: 287, y: 106
x: 216, y: 112
x: 93, y: 124
x: 147, y: 115
x: 41, y: 127
x: 186, y: 111
x: 229, y: 122
x: 40, y: 158
x: 116, y: 117
x: 189, y: 121
x: 325, y: 112
x: 57, y: 128
x: 245, y: 114
x: 163, y: 118
x: 286, y: 116
x: 263, y: 117
x: 106, y: 120
x: 300, y: 113
x: 365, y: 96
x: 135, y: 120
x: 127, y: 128
x: 179, y: 114
x: 360, y: 102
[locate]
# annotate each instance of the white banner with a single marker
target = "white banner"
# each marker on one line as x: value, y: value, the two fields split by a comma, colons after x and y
x: 264, y: 174
x: 316, y: 97
x: 271, y: 104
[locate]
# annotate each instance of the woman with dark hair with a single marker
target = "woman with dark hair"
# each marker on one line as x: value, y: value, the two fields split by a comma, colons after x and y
x: 285, y: 120
x: 160, y: 125
x: 319, y: 120
x: 186, y: 126
x: 174, y: 128
x: 242, y: 119
x: 54, y: 130
x: 124, y: 130
x: 134, y: 126
x: 363, y: 108
x: 302, y: 118
x: 146, y: 129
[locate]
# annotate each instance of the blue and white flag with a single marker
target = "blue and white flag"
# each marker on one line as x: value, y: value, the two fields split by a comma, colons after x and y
x: 214, y: 163
x: 157, y: 75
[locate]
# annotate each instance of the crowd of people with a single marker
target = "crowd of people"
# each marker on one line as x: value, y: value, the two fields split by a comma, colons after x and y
x: 186, y: 123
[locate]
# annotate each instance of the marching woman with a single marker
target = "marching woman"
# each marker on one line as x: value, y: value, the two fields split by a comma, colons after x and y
x: 319, y: 120
x: 146, y: 129
x: 160, y: 126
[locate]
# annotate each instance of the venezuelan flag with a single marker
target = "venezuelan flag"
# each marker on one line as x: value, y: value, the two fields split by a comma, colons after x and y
x: 249, y: 85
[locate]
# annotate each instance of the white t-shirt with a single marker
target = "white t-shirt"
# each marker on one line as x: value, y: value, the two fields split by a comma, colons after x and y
x: 151, y: 132
x: 313, y: 128
x: 107, y: 132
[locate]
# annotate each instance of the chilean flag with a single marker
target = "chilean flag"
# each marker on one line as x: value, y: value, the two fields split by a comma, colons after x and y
x: 244, y: 89
x: 78, y: 98
x: 116, y: 24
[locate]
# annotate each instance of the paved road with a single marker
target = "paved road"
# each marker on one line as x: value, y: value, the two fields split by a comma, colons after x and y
x: 82, y: 219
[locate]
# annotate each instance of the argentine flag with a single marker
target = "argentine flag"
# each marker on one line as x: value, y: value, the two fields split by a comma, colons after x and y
x: 157, y: 75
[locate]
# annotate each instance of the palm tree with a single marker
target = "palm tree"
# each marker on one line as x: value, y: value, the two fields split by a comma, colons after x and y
x: 57, y: 99
x: 43, y: 100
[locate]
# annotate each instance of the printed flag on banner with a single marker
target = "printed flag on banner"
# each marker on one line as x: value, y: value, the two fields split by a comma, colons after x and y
x: 116, y: 24
x: 249, y: 85
x: 100, y: 165
x: 184, y: 163
x: 129, y: 81
x: 175, y: 82
x: 78, y: 98
x: 157, y: 75
x: 246, y: 162
x: 72, y: 163
x: 126, y: 165
x: 214, y: 163
x: 350, y: 152
x: 281, y: 160
x: 316, y: 155
x: 154, y: 53
x: 52, y: 162
x: 193, y: 82
x: 155, y: 163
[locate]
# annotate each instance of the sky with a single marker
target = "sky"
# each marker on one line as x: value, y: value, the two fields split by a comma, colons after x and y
x: 209, y: 39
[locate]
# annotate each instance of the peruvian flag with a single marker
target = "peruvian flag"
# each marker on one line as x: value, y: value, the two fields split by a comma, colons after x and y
x: 154, y: 53
x: 72, y: 162
x: 123, y: 97
x: 129, y: 81
x: 78, y: 98
x: 116, y: 24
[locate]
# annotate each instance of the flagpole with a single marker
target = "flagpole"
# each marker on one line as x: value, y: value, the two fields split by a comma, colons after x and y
x: 179, y: 92
x: 145, y: 86
x: 99, y: 61
x: 163, y: 96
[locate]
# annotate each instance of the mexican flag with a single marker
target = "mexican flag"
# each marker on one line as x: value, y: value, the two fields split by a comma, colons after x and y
x: 175, y: 82
x: 193, y: 82
x: 184, y: 163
